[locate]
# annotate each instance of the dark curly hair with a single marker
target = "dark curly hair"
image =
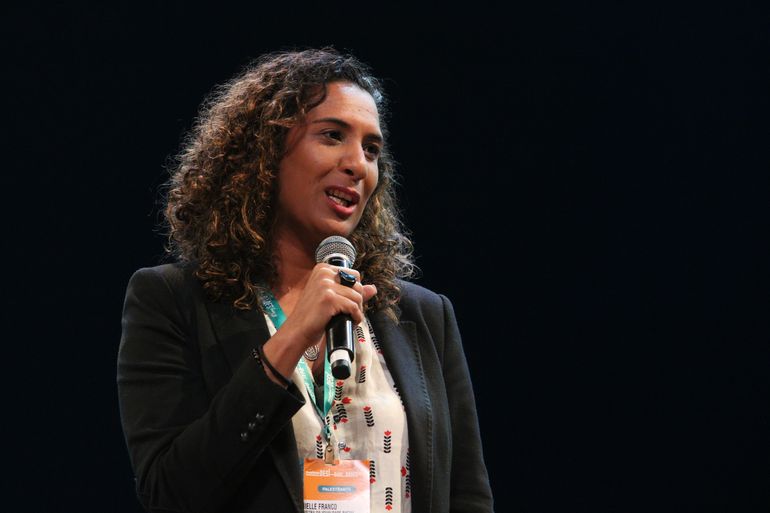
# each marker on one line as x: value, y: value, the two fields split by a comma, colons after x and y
x: 220, y: 200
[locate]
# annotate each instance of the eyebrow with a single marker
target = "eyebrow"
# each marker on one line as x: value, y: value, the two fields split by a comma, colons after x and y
x: 344, y: 124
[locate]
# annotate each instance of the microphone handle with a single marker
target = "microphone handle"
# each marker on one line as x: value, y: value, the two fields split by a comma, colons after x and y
x: 339, y: 345
x: 340, y: 350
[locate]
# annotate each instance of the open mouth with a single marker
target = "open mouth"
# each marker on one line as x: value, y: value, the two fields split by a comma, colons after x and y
x: 341, y: 197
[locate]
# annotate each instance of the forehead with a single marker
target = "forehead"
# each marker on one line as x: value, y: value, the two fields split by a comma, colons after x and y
x: 347, y: 99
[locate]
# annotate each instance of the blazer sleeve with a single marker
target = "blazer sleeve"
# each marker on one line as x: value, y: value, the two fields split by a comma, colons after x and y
x: 190, y: 452
x: 469, y: 488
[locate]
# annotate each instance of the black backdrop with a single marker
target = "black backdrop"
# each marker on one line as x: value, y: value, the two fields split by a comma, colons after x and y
x: 589, y: 185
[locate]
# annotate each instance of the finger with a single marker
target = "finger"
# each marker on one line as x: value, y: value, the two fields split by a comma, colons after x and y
x: 341, y: 300
x: 339, y: 275
x: 352, y: 308
x: 347, y: 279
x: 362, y: 293
x: 353, y: 272
x: 355, y: 293
x: 329, y: 275
x: 368, y: 292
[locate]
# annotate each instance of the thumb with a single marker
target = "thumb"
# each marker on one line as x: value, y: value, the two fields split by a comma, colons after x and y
x: 369, y: 292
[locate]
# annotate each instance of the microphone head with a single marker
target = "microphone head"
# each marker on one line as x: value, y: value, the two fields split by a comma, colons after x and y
x: 335, y: 246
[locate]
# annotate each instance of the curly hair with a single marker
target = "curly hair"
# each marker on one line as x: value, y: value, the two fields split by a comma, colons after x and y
x: 221, y: 196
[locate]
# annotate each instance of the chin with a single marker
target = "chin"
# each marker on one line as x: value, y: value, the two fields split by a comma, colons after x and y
x: 343, y: 229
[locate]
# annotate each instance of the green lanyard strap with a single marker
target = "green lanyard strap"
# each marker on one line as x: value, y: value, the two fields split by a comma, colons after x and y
x: 274, y: 311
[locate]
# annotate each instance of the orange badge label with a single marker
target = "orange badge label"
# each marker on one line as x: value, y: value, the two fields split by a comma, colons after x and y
x: 342, y: 487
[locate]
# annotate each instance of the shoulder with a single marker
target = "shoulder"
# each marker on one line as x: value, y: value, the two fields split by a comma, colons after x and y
x: 433, y: 316
x: 175, y: 280
x: 418, y: 301
x: 174, y: 276
x: 169, y: 290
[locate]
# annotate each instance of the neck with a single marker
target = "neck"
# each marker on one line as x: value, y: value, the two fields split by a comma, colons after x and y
x: 295, y: 262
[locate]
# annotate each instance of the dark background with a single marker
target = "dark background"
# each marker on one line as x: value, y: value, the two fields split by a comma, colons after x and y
x: 589, y: 185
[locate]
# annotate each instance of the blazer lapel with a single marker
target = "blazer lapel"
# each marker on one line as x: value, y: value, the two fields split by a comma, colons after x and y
x: 402, y: 355
x: 238, y: 332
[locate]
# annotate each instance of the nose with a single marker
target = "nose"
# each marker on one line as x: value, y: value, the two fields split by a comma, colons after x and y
x: 354, y: 163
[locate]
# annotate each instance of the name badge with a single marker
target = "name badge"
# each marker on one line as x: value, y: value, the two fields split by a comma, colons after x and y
x: 342, y: 487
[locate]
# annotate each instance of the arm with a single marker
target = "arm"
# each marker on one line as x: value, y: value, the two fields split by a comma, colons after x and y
x: 469, y: 489
x: 185, y: 446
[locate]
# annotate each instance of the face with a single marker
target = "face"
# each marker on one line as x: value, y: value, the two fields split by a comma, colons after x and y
x: 329, y: 171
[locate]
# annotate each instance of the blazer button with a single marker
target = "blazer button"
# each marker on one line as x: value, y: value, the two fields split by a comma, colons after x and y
x: 251, y: 426
x: 260, y: 417
x: 244, y: 437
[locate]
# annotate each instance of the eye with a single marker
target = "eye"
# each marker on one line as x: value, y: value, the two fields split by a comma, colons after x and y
x: 333, y: 134
x: 372, y: 151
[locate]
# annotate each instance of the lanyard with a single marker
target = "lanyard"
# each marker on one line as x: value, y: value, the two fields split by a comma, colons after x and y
x: 274, y: 311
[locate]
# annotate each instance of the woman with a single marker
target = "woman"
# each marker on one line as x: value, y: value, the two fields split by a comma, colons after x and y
x: 224, y: 400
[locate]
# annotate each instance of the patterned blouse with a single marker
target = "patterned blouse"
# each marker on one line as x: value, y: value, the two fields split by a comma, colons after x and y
x: 368, y: 422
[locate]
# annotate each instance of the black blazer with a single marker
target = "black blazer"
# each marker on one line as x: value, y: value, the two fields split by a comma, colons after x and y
x: 208, y: 431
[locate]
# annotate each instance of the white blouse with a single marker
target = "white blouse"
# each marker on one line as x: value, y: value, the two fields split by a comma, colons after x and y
x: 368, y: 422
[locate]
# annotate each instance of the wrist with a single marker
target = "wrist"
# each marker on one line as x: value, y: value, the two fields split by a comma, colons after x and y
x: 274, y: 374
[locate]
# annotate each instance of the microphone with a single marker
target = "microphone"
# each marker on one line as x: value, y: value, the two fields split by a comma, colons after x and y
x: 340, y: 351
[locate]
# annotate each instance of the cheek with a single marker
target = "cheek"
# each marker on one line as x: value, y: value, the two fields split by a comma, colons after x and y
x: 371, y: 185
x: 372, y: 179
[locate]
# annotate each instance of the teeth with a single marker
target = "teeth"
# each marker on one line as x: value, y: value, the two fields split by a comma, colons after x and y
x: 339, y: 201
x: 341, y: 195
x: 340, y: 198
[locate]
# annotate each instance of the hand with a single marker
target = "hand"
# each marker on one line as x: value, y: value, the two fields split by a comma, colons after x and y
x: 324, y: 297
